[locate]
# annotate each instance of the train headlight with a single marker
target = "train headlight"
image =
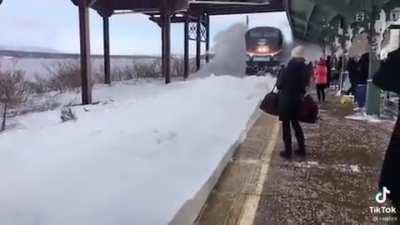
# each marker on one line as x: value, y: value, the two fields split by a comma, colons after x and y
x: 263, y: 49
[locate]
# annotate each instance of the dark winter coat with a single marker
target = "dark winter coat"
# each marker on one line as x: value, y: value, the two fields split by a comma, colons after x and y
x: 340, y: 64
x: 353, y: 71
x: 329, y: 67
x: 363, y: 69
x: 292, y: 85
x: 390, y: 175
x: 388, y: 77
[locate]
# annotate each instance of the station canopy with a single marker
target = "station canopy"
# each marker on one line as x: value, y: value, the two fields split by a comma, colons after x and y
x: 145, y: 6
x: 311, y: 18
x: 211, y: 7
x: 218, y: 7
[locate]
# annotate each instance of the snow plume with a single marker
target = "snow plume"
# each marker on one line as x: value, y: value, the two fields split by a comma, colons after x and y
x: 313, y: 52
x: 230, y: 53
x: 359, y: 46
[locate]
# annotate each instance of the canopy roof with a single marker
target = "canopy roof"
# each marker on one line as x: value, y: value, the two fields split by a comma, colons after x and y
x: 215, y: 7
x: 211, y: 7
x: 311, y: 19
x: 109, y: 6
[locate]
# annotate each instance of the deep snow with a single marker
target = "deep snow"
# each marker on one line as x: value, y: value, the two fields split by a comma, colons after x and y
x: 133, y: 159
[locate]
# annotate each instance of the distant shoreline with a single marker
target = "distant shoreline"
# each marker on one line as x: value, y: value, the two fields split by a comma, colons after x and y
x: 51, y: 55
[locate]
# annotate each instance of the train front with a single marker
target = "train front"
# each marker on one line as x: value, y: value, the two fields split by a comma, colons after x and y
x: 264, y: 50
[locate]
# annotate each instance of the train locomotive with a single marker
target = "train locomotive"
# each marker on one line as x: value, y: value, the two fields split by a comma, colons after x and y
x: 264, y: 50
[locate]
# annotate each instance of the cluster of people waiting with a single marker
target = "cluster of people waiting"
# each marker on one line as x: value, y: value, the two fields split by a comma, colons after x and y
x: 297, y: 75
x: 292, y: 83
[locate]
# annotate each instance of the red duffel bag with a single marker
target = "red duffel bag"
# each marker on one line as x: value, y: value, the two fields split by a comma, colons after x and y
x: 309, y: 110
x: 270, y: 103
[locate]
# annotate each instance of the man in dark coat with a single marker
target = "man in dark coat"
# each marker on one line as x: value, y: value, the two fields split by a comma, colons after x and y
x: 292, y: 87
x: 310, y: 68
x: 363, y: 73
x: 329, y: 67
x: 353, y: 75
x: 363, y: 69
x: 390, y: 175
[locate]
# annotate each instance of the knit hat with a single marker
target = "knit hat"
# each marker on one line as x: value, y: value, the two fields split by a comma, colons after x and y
x: 298, y: 52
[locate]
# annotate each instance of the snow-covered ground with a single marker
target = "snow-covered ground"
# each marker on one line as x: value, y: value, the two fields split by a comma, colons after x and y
x: 135, y: 158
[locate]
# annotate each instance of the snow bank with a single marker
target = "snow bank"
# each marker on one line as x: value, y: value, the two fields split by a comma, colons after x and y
x: 135, y: 160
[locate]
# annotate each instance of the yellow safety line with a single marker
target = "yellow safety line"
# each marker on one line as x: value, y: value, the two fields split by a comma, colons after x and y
x: 250, y: 207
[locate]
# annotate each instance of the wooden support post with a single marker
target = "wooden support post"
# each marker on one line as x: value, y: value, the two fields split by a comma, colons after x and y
x: 198, y: 44
x: 106, y: 39
x: 207, y: 38
x: 85, y: 52
x: 166, y: 46
x: 186, y: 47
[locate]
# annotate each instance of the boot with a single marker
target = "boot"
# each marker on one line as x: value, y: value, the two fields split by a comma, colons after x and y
x: 301, y: 152
x: 285, y: 154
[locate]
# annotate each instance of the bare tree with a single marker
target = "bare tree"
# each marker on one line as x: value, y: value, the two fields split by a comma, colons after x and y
x: 177, y: 67
x: 148, y: 70
x: 64, y: 76
x: 12, y: 92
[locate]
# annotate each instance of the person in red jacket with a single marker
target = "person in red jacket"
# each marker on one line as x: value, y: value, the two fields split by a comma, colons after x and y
x: 321, y: 79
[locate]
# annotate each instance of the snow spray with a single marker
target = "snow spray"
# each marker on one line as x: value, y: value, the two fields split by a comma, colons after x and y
x: 230, y: 53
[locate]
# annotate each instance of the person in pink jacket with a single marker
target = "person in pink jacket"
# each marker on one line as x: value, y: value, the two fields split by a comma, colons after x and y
x: 321, y: 79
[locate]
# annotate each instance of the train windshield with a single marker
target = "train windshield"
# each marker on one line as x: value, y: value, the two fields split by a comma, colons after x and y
x: 264, y: 34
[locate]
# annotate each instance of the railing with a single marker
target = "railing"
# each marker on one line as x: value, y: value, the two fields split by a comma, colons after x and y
x: 390, y: 106
x: 389, y: 100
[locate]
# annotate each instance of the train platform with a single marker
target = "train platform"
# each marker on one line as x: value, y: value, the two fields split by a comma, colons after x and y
x: 335, y: 184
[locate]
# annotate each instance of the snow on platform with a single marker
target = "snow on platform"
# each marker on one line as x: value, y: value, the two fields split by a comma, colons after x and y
x: 135, y: 160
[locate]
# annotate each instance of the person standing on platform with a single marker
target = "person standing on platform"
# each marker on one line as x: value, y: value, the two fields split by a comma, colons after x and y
x: 361, y: 88
x: 292, y: 85
x: 321, y: 80
x: 353, y: 75
x: 328, y: 64
x: 390, y: 174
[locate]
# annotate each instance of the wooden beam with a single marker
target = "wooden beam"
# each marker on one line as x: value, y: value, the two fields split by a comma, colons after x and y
x: 166, y: 47
x: 174, y: 19
x: 91, y: 2
x: 236, y: 8
x: 107, y: 58
x: 207, y: 39
x: 394, y: 27
x: 198, y: 44
x: 186, y: 47
x: 85, y: 52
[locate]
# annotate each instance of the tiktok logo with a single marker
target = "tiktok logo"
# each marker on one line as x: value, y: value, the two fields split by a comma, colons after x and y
x: 381, y: 197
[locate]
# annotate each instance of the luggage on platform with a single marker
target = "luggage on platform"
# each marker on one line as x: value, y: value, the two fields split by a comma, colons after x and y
x: 309, y: 110
x: 270, y: 103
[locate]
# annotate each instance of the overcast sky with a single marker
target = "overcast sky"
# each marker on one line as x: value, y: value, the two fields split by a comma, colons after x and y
x: 53, y: 24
